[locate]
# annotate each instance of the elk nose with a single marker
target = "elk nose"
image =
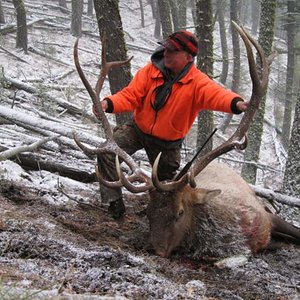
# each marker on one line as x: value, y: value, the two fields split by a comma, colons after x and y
x: 162, y: 252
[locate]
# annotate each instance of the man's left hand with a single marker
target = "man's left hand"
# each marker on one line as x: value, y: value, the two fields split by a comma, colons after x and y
x: 242, y: 106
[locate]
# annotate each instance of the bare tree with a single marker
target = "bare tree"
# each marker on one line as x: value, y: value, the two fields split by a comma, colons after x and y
x: 266, y: 37
x: 234, y: 16
x: 204, y: 29
x: 110, y: 23
x: 90, y: 7
x: 291, y: 181
x: 221, y: 7
x: 22, y: 38
x: 255, y: 16
x: 289, y: 93
x: 165, y: 17
x: 2, y: 18
x: 142, y: 13
x: 77, y: 10
x: 182, y: 7
x: 174, y: 13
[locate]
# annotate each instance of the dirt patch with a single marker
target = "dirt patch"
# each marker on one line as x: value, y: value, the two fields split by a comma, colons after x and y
x: 59, y: 250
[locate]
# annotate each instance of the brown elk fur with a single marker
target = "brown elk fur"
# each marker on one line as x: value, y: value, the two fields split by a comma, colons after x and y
x: 222, y: 218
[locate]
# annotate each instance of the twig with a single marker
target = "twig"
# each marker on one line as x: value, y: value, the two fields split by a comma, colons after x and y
x: 61, y: 190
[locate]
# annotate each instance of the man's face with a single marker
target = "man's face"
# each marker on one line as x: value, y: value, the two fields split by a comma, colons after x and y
x: 176, y: 60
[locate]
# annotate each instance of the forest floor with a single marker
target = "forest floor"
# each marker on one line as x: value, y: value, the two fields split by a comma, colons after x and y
x: 76, y: 251
x: 56, y: 239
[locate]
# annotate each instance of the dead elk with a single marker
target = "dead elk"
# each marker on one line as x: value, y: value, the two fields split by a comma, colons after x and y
x: 222, y: 218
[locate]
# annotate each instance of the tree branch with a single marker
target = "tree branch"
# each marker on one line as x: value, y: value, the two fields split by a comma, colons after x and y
x: 28, y: 148
x: 271, y: 195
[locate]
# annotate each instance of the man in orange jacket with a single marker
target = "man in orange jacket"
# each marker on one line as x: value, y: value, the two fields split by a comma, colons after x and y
x: 165, y: 97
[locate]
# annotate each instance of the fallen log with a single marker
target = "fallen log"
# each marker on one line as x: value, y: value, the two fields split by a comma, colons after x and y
x: 47, y: 128
x: 72, y: 109
x: 271, y: 195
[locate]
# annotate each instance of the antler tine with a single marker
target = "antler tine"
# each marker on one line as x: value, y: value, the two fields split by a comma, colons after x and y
x: 166, y: 186
x: 106, y: 66
x: 110, y: 184
x: 94, y: 95
x: 81, y: 74
x: 259, y: 85
x: 86, y: 150
x: 135, y: 177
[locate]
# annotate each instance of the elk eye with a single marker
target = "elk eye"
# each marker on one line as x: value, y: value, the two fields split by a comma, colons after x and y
x: 180, y: 214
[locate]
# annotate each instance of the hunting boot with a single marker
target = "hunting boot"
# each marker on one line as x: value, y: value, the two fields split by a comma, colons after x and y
x: 110, y: 197
x: 113, y: 200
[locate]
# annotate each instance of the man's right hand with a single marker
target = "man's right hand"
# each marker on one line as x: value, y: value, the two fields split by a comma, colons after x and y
x: 103, y: 104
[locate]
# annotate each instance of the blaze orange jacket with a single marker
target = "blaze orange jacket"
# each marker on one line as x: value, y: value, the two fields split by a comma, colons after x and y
x: 191, y: 94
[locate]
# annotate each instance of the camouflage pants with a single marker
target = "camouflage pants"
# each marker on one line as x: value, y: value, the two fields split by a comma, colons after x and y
x: 127, y: 138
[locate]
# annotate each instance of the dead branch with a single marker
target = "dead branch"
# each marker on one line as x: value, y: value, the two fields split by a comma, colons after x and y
x: 13, y: 27
x: 28, y: 148
x: 47, y: 128
x: 72, y: 109
x: 271, y: 195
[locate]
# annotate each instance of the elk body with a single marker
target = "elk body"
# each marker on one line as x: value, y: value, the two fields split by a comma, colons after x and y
x: 210, y: 209
x: 223, y: 219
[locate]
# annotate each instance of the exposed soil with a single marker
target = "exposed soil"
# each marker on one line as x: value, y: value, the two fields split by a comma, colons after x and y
x: 60, y: 251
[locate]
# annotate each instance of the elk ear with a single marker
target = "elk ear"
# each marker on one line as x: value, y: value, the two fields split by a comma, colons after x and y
x: 203, y: 195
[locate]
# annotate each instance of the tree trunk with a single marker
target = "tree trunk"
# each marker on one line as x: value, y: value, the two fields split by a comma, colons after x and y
x: 153, y: 8
x: 110, y: 24
x: 142, y: 13
x: 289, y: 94
x: 157, y: 27
x: 291, y: 181
x: 22, y: 39
x: 234, y: 16
x: 77, y: 10
x: 90, y: 8
x: 223, y: 37
x: 255, y: 16
x: 165, y: 17
x: 194, y: 14
x: 2, y: 18
x: 204, y: 30
x: 174, y: 13
x: 266, y: 37
x: 182, y: 6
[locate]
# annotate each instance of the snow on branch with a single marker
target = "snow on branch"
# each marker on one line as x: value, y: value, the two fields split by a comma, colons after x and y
x: 271, y: 195
x: 28, y: 148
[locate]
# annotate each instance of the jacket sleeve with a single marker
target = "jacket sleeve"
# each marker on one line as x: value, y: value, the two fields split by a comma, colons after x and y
x: 129, y: 97
x: 212, y: 96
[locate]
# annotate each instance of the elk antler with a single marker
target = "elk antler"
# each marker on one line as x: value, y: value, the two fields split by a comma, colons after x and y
x: 259, y: 86
x: 109, y: 146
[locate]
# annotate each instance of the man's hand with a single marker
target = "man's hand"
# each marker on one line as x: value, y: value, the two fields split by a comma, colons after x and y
x: 242, y: 106
x: 103, y: 104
